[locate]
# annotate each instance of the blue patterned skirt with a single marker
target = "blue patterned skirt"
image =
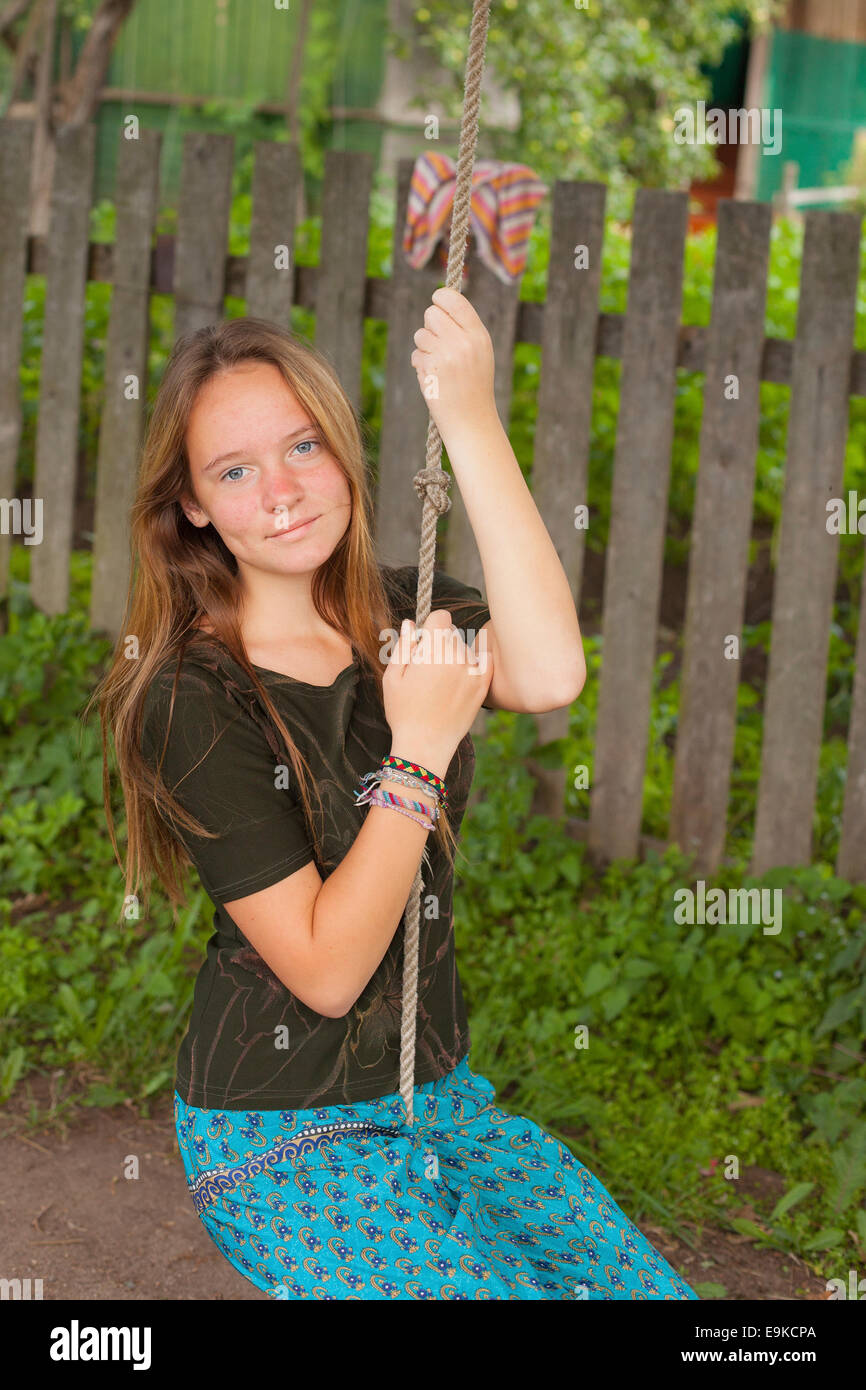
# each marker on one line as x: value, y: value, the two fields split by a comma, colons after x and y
x: 350, y: 1202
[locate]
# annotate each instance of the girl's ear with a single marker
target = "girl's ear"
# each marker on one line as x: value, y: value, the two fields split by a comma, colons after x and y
x: 193, y: 512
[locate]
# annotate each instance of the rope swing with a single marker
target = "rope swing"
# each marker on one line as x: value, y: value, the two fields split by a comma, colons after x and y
x: 431, y: 484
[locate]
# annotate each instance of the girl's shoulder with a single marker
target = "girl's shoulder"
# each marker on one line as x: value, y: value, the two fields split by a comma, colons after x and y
x: 203, y: 670
x: 190, y: 701
x: 200, y: 659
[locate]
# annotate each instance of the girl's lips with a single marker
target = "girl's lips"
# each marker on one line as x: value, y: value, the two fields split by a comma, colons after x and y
x: 294, y: 530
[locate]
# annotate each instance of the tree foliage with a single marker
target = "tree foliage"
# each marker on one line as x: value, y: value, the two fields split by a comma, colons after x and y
x: 597, y: 87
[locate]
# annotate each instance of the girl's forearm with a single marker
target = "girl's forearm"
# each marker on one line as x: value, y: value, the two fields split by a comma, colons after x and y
x: 360, y: 905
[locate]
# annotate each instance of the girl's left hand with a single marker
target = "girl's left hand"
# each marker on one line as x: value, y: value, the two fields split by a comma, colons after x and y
x: 454, y: 361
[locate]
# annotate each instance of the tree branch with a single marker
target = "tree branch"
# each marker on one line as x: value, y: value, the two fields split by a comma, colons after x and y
x: 294, y: 79
x: 45, y: 65
x: 25, y: 48
x: 81, y: 96
x: 13, y: 12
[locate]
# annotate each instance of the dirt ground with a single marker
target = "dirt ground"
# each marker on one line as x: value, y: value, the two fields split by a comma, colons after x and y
x: 71, y: 1219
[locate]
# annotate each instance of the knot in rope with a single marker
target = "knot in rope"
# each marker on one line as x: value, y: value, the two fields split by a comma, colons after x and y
x: 433, y: 483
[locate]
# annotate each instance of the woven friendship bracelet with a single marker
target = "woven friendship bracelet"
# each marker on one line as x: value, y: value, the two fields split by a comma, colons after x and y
x: 370, y: 783
x: 420, y: 806
x: 426, y: 776
x: 364, y: 796
x: 395, y: 803
x: 406, y: 779
x: 380, y: 797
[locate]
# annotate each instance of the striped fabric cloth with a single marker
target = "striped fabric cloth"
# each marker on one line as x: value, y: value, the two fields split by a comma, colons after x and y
x: 502, y: 211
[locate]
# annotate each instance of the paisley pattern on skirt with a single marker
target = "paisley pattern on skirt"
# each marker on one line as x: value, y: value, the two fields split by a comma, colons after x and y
x: 350, y: 1202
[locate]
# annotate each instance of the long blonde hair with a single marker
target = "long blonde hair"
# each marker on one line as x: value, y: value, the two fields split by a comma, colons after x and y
x: 182, y: 575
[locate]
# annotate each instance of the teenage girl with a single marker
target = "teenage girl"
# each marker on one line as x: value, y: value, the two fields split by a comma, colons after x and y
x: 278, y: 723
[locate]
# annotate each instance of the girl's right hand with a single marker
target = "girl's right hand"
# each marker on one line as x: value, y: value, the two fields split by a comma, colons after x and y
x: 434, y: 685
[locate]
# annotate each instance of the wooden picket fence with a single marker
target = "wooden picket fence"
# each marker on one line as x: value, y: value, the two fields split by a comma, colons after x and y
x: 819, y: 365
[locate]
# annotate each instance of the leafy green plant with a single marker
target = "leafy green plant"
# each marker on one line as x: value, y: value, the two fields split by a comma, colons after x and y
x: 703, y: 1041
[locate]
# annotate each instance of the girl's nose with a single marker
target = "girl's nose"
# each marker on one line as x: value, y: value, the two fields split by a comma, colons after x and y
x: 282, y: 491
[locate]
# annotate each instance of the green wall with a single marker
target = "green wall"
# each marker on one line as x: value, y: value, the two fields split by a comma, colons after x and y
x: 179, y: 47
x: 820, y: 86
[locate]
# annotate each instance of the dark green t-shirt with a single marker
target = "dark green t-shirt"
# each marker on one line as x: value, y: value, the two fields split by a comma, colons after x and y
x: 230, y: 1058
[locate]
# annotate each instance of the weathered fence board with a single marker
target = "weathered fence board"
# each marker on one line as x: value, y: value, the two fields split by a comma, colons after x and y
x: 560, y: 463
x: 16, y: 144
x: 343, y: 265
x: 126, y: 354
x: 806, y: 571
x: 277, y: 177
x: 202, y: 231
x: 633, y: 567
x: 60, y: 379
x: 403, y: 439
x: 721, y: 531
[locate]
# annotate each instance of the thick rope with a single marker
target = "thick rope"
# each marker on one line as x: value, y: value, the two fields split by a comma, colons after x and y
x: 432, y: 484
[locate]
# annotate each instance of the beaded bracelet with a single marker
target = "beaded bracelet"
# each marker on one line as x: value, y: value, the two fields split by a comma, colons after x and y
x: 435, y: 783
x: 396, y: 803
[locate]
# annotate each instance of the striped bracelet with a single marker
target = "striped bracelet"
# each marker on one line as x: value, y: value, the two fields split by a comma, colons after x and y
x: 380, y: 797
x: 420, y: 806
x: 430, y: 778
x: 364, y: 795
x: 396, y: 803
x: 405, y: 779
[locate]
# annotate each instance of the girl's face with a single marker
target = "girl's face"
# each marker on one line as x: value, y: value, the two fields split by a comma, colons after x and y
x: 279, y: 473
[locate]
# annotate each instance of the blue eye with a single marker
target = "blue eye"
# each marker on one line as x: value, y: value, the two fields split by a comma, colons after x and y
x: 240, y: 467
